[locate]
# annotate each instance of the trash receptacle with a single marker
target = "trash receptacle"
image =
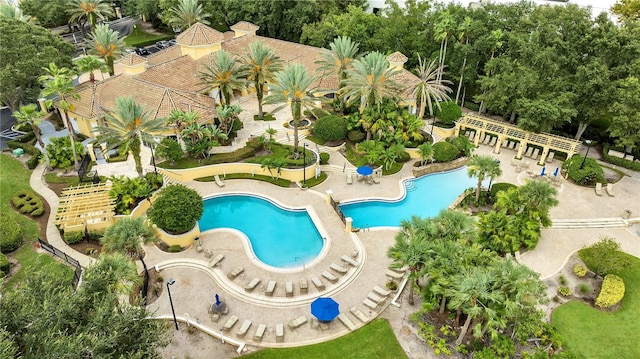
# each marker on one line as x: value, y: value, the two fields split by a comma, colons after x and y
x: 626, y: 214
x: 18, y: 152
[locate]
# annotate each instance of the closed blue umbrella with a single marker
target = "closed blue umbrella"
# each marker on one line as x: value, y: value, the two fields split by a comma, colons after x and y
x: 555, y: 173
x: 364, y: 170
x: 543, y: 169
x: 325, y: 309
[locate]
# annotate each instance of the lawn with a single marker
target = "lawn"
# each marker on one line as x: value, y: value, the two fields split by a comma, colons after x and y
x: 15, y: 177
x: 374, y: 340
x: 139, y: 37
x: 591, y: 333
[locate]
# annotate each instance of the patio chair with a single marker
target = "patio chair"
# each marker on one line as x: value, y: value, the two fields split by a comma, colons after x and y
x: 369, y: 303
x: 288, y: 289
x: 610, y: 189
x: 332, y: 278
x: 381, y: 291
x: 599, y: 189
x: 346, y: 321
x: 279, y: 332
x: 304, y: 286
x: 297, y: 322
x: 317, y: 282
x: 338, y: 268
x: 234, y: 273
x: 216, y: 260
x: 394, y: 274
x: 550, y: 157
x: 230, y: 323
x: 376, y: 298
x: 350, y: 261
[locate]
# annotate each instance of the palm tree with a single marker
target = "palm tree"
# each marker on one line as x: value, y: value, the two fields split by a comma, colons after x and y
x: 482, y: 167
x: 541, y: 196
x: 30, y: 115
x: 425, y: 151
x: 292, y: 86
x: 129, y: 125
x: 430, y: 86
x: 370, y: 81
x: 496, y: 40
x: 11, y: 11
x: 180, y: 119
x: 227, y: 115
x: 90, y: 64
x: 106, y: 44
x: 262, y: 65
x: 187, y: 13
x: 337, y: 60
x: 443, y: 29
x: 58, y: 82
x: 226, y: 74
x: 90, y: 10
x: 409, y: 250
x: 463, y: 35
x: 113, y: 273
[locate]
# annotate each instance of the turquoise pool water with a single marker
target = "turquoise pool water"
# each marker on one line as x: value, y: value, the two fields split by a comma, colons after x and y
x: 425, y: 197
x: 279, y: 237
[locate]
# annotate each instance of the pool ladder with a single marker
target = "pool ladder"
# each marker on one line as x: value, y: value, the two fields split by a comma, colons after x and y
x: 410, y: 185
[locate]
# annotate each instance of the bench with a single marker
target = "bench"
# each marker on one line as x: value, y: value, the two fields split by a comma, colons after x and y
x: 317, y: 282
x: 332, y: 278
x: 270, y: 288
x: 346, y: 321
x: 349, y: 260
x: 297, y: 322
x: 252, y: 284
x: 304, y: 286
x: 380, y: 291
x: 279, y: 332
x: 259, y: 332
x: 244, y: 328
x: 358, y: 313
x: 234, y: 273
x: 230, y: 323
x: 338, y: 268
x: 288, y: 289
x: 216, y: 260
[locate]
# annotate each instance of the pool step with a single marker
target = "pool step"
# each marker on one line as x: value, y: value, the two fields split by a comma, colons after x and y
x: 410, y: 185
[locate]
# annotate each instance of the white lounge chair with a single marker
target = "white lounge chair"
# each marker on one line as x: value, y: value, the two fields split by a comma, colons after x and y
x: 332, y: 278
x: 234, y: 273
x: 288, y: 289
x: 259, y: 332
x: 369, y: 303
x: 346, y: 321
x: 297, y: 322
x: 270, y: 288
x: 599, y: 189
x: 216, y: 260
x: 218, y: 181
x: 252, y: 284
x: 381, y: 291
x: 349, y: 178
x: 317, y: 282
x: 244, y: 328
x: 338, y: 268
x: 376, y: 298
x: 350, y: 260
x: 610, y: 189
x: 304, y: 286
x: 359, y: 314
x: 230, y: 323
x: 279, y: 332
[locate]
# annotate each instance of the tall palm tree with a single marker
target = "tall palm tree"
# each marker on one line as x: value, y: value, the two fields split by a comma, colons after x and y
x: 106, y: 44
x: 443, y: 28
x: 227, y: 115
x: 541, y: 196
x: 187, y: 13
x: 370, y: 81
x: 430, y: 87
x: 57, y: 81
x: 483, y: 167
x: 338, y: 59
x: 425, y: 151
x: 128, y: 125
x: 292, y: 86
x: 262, y: 65
x: 180, y: 119
x: 90, y: 64
x: 409, y: 250
x: 90, y: 10
x: 463, y: 36
x: 226, y: 74
x: 30, y: 115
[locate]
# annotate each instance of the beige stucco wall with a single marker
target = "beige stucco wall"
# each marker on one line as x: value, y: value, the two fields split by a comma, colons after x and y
x: 197, y: 52
x: 183, y: 240
x: 135, y: 69
x: 190, y: 174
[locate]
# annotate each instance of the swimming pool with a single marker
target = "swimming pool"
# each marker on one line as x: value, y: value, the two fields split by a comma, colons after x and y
x: 279, y: 237
x: 425, y: 197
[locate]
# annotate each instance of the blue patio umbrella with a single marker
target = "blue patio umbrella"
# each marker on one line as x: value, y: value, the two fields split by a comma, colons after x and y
x: 364, y: 170
x: 325, y: 309
x: 555, y: 173
x: 543, y: 169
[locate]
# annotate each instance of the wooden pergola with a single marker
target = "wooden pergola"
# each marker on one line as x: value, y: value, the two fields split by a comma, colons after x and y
x: 86, y: 206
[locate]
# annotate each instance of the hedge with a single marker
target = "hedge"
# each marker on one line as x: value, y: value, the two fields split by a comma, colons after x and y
x: 444, y: 152
x: 11, y: 234
x: 73, y: 237
x: 176, y: 209
x: 498, y: 187
x: 622, y: 162
x: 324, y: 158
x: 330, y: 128
x: 5, y: 265
x: 590, y: 174
x: 612, y: 291
x: 356, y: 136
x: 27, y: 202
x: 32, y: 162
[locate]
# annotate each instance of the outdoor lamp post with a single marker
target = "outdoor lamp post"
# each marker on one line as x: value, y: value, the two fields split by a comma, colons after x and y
x: 588, y: 142
x: 153, y: 158
x: 170, y: 282
x: 304, y: 164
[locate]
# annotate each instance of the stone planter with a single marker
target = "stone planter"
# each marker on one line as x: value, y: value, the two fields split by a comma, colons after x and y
x: 439, y: 167
x: 183, y: 240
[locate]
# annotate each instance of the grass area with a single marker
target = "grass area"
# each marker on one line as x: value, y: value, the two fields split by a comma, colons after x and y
x: 276, y: 181
x: 591, y: 333
x: 67, y: 180
x: 374, y: 340
x: 29, y: 260
x: 139, y: 37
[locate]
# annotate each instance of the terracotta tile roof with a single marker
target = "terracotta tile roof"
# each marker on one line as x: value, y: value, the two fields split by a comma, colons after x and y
x: 409, y: 80
x: 245, y: 26
x: 180, y: 73
x: 164, y: 55
x: 397, y: 57
x: 132, y: 59
x: 199, y: 34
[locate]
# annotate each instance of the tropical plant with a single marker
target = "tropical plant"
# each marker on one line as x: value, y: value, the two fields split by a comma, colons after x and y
x: 61, y: 153
x: 106, y: 44
x: 30, y: 115
x: 176, y: 209
x: 227, y: 116
x: 11, y: 11
x: 273, y: 164
x: 90, y: 64
x: 430, y: 86
x: 58, y: 81
x: 426, y: 153
x: 201, y: 138
x: 337, y: 60
x: 448, y: 112
x: 180, y: 119
x: 187, y: 13
x: 170, y: 150
x: 128, y: 125
x: 128, y: 192
x: 89, y: 10
x: 292, y: 86
x: 409, y: 250
x: 226, y: 74
x: 482, y: 167
x: 262, y: 65
x: 443, y: 29
x: 330, y: 128
x: 113, y: 272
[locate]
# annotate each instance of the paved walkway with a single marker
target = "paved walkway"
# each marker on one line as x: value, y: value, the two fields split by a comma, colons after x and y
x: 196, y: 283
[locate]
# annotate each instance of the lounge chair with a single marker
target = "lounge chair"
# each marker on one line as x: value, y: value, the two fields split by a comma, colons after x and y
x: 218, y: 181
x: 369, y: 303
x: 394, y: 274
x: 349, y: 178
x: 610, y: 189
x: 252, y: 285
x: 381, y: 291
x: 259, y: 332
x: 338, y: 268
x: 297, y: 322
x: 375, y: 179
x: 350, y: 260
x: 318, y: 283
x: 332, y: 278
x: 244, y: 328
x: 270, y: 288
x: 550, y: 157
x: 216, y: 260
x: 304, y: 286
x: 358, y: 313
x: 347, y: 322
x: 279, y: 332
x: 376, y: 298
x: 288, y: 289
x: 234, y: 273
x: 599, y: 189
x: 535, y: 153
x: 230, y: 323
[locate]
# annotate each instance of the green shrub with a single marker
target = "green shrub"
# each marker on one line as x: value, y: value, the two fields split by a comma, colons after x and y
x: 463, y: 145
x: 176, y: 209
x: 96, y: 235
x: 5, y: 265
x: 498, y: 187
x: 589, y: 175
x: 356, y: 136
x: 612, y: 291
x: 266, y: 117
x: 584, y: 288
x: 580, y: 270
x: 28, y: 202
x: 563, y: 280
x: 32, y: 162
x: 604, y: 257
x: 622, y: 162
x: 330, y: 128
x: 324, y: 158
x: 60, y: 153
x: 11, y: 234
x: 564, y: 291
x: 73, y: 237
x: 174, y: 248
x: 170, y: 150
x: 448, y: 112
x: 444, y: 152
x: 155, y: 180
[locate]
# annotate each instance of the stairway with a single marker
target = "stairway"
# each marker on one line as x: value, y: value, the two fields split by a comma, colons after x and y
x: 588, y: 223
x: 168, y: 181
x: 410, y: 185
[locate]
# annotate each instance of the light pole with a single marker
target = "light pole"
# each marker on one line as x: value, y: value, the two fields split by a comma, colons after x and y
x: 170, y: 282
x: 588, y: 142
x: 153, y: 158
x: 304, y: 164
